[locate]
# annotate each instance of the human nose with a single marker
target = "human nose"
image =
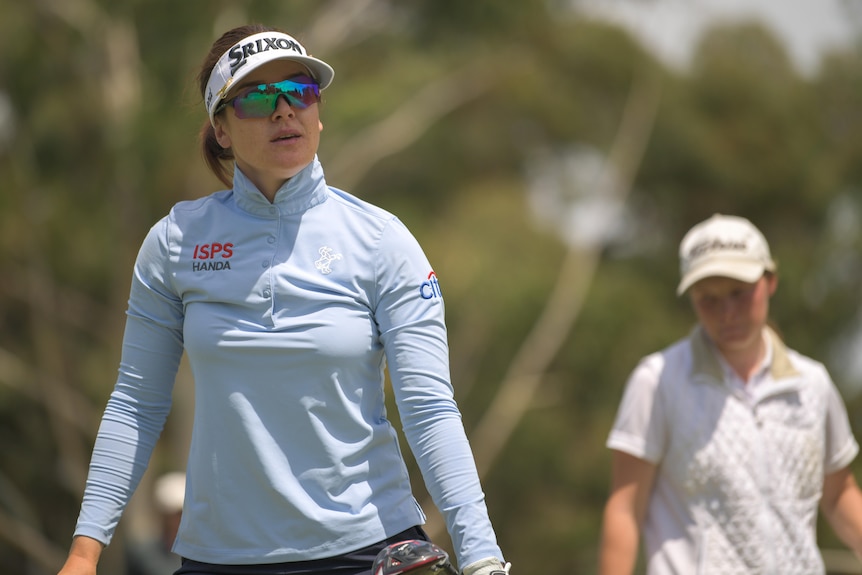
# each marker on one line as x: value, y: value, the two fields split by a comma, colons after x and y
x: 728, y: 307
x: 282, y: 107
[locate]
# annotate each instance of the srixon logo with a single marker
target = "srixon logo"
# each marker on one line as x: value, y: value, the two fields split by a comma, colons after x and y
x: 430, y: 288
x: 212, y: 257
x: 239, y: 54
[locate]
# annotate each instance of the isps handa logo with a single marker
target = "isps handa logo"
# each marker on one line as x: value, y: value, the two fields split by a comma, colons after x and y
x: 430, y: 288
x: 212, y: 257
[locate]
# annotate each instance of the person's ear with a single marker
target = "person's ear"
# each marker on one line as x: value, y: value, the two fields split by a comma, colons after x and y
x: 222, y: 134
x: 772, y: 283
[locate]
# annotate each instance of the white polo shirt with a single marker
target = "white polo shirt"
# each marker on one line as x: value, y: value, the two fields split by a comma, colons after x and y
x: 740, y: 471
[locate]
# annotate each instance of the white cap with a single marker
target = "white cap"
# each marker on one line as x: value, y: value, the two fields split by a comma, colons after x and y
x: 725, y: 246
x: 170, y: 491
x: 254, y: 51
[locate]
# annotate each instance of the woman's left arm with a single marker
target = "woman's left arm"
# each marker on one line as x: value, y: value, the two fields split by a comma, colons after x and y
x: 410, y: 314
x: 841, y: 505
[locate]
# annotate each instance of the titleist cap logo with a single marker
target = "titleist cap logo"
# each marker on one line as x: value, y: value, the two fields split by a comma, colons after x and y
x: 714, y: 245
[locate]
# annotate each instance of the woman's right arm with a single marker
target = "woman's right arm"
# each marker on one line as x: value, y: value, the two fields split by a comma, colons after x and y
x: 631, y: 486
x: 137, y: 408
x: 83, y: 557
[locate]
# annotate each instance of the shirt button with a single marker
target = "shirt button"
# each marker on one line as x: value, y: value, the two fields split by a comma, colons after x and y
x: 266, y: 293
x: 272, y: 210
x: 270, y: 239
x: 264, y: 264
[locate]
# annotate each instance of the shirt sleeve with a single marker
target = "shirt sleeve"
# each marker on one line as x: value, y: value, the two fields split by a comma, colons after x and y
x: 139, y: 404
x: 841, y: 445
x: 639, y: 428
x: 410, y: 314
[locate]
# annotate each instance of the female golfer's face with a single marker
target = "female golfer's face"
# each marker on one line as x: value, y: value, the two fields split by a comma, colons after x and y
x: 272, y: 149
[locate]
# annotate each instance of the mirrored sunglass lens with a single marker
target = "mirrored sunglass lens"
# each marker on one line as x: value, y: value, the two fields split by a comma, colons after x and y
x: 254, y: 105
x: 260, y: 101
x: 301, y: 91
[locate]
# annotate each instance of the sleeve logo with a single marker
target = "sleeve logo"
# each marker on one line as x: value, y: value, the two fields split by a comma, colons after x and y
x: 430, y: 288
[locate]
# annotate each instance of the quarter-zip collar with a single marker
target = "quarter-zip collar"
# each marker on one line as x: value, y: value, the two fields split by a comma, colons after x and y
x: 304, y: 190
x: 705, y: 364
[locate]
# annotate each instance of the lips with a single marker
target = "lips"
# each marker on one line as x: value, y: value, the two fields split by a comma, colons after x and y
x: 286, y: 135
x: 734, y: 332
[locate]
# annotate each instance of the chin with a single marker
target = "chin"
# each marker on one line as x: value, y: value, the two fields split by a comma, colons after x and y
x: 736, y: 341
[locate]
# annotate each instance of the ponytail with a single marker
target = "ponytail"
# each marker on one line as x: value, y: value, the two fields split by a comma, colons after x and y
x: 218, y: 159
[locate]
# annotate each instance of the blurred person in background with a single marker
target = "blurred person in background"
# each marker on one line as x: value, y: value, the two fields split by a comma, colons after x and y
x: 153, y: 555
x: 726, y: 442
x: 290, y: 298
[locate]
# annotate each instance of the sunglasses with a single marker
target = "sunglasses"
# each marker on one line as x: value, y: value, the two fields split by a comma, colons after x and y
x: 260, y: 101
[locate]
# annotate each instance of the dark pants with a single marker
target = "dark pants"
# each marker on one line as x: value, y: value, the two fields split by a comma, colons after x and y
x: 357, y: 562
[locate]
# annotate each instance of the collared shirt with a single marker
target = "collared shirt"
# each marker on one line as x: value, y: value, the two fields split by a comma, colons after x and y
x: 739, y: 474
x: 760, y: 375
x: 289, y: 312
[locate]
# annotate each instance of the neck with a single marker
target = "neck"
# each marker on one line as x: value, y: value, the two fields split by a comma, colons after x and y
x: 269, y: 188
x: 266, y: 182
x: 746, y: 361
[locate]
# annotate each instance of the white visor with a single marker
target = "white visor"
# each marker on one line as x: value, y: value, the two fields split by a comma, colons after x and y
x: 252, y: 52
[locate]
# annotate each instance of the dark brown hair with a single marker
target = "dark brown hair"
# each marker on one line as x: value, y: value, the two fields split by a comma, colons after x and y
x: 218, y: 159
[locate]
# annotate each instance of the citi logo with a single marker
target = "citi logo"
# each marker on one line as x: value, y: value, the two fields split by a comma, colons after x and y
x: 212, y: 257
x: 430, y: 288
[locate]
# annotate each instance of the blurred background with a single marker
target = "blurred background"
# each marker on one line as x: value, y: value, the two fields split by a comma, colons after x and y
x: 548, y: 154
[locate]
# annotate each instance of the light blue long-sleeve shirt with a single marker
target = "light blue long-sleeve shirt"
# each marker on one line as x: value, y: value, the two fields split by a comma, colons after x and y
x: 289, y: 312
